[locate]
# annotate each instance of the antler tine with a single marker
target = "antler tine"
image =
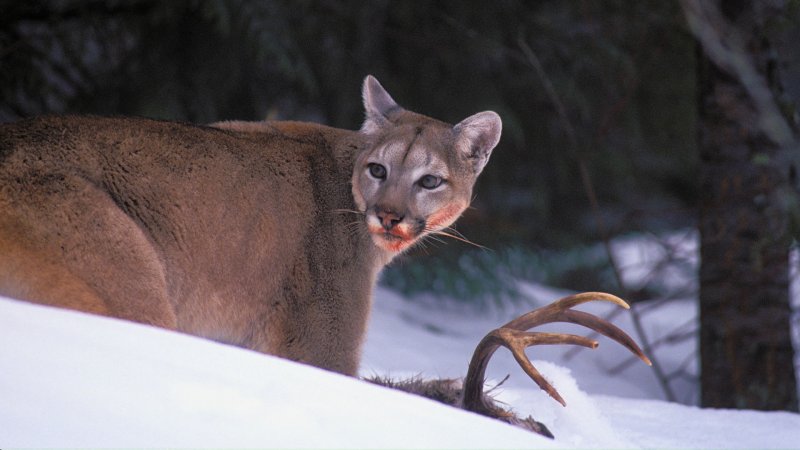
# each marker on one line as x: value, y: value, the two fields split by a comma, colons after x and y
x: 516, y: 341
x: 516, y: 338
x: 608, y: 330
x: 560, y: 311
x: 551, y: 312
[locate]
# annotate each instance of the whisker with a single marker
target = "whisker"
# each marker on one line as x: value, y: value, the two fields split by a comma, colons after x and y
x: 421, y: 245
x: 459, y: 238
x: 355, y: 230
x: 456, y: 232
x: 433, y: 237
x: 353, y: 225
x: 349, y: 211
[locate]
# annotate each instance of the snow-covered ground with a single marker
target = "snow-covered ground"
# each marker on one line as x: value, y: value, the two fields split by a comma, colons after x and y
x: 72, y: 380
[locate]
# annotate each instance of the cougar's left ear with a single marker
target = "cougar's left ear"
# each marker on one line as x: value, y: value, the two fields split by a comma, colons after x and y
x: 378, y: 105
x: 477, y: 135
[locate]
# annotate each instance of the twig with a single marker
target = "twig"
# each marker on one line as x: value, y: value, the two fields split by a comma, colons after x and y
x: 586, y: 180
x: 679, y: 334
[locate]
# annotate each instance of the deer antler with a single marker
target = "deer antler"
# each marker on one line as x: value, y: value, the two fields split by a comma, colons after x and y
x: 515, y: 337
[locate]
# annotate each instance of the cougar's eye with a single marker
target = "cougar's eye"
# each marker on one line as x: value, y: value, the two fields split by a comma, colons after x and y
x: 430, y: 182
x: 377, y: 171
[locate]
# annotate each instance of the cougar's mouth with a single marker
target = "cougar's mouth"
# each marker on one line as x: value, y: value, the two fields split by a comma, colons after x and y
x: 391, y: 240
x: 396, y: 239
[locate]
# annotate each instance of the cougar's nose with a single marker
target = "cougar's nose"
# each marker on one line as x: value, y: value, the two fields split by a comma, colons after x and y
x: 388, y: 218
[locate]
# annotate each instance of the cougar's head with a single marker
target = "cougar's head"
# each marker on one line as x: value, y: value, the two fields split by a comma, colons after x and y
x: 416, y: 175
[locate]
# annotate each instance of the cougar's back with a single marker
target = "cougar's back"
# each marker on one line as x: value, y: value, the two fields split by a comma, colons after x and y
x: 184, y: 227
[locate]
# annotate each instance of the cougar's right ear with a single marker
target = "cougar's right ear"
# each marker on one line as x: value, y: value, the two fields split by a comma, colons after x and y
x: 476, y: 137
x: 378, y: 105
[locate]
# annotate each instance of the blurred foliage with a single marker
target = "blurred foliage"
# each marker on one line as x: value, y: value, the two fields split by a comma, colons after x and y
x: 482, y: 278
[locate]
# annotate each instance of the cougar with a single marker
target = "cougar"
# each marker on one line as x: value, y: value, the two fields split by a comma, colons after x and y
x: 264, y: 235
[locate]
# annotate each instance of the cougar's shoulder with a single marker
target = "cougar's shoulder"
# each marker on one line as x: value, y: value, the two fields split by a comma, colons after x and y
x: 342, y: 144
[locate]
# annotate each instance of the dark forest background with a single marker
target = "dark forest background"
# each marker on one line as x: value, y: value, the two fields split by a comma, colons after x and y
x: 609, y: 108
x: 623, y: 69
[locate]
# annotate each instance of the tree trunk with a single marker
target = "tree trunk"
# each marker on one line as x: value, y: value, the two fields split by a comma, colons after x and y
x: 745, y: 339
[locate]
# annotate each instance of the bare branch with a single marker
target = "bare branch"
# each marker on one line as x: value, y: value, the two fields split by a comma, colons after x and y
x: 588, y: 186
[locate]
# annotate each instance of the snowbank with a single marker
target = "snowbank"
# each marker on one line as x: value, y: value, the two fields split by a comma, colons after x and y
x: 72, y: 380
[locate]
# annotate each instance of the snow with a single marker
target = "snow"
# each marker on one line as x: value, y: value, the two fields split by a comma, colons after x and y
x: 72, y: 380
x: 69, y: 379
x: 623, y: 409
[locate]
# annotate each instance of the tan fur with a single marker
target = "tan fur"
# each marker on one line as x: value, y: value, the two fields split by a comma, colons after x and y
x: 253, y: 234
